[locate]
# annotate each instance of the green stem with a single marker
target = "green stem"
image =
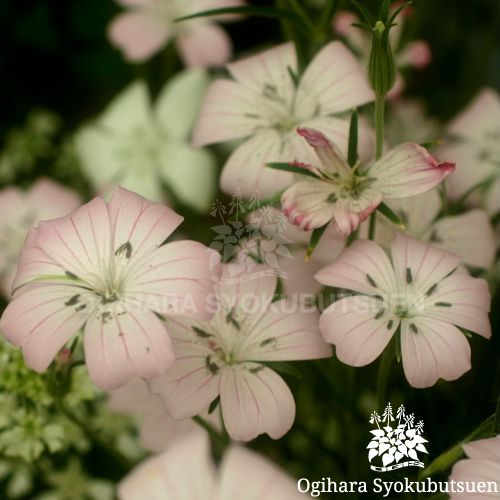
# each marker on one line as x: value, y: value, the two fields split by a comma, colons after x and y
x: 449, y: 457
x: 379, y: 124
x: 384, y: 371
x: 219, y: 440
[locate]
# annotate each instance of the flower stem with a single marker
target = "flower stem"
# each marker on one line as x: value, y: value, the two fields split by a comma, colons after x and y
x: 379, y: 147
x: 220, y: 440
x: 384, y: 371
x: 449, y: 457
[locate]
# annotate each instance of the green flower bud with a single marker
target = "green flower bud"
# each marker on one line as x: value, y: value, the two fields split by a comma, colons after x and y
x: 381, y: 70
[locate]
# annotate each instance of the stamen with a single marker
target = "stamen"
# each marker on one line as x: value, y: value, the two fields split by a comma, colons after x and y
x: 230, y: 319
x: 73, y: 300
x: 268, y: 341
x: 201, y: 333
x: 125, y: 248
x: 431, y: 290
x: 371, y: 281
x: 413, y: 327
x: 442, y: 304
x: 213, y: 367
x: 380, y: 313
x: 389, y: 324
x: 409, y: 277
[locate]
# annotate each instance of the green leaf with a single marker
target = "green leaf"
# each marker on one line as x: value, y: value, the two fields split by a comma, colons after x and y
x: 273, y: 12
x: 213, y: 405
x: 389, y: 213
x: 384, y: 10
x: 431, y: 144
x: 284, y: 368
x: 352, y: 154
x: 364, y: 12
x: 398, y: 10
x: 288, y: 167
x: 313, y: 242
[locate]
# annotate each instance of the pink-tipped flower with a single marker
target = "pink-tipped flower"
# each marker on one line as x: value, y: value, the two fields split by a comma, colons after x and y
x: 482, y: 467
x: 187, y: 472
x: 104, y: 268
x: 264, y: 103
x: 418, y: 294
x: 475, y: 145
x: 226, y: 357
x: 349, y: 195
x: 148, y: 25
x: 22, y: 210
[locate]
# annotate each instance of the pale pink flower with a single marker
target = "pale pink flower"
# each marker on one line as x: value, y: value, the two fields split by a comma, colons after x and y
x: 20, y: 211
x: 483, y: 465
x: 264, y: 105
x: 475, y: 146
x: 414, y: 54
x: 157, y: 429
x: 469, y: 235
x: 227, y: 357
x: 419, y: 295
x: 346, y: 195
x: 187, y: 472
x: 148, y: 25
x: 104, y: 268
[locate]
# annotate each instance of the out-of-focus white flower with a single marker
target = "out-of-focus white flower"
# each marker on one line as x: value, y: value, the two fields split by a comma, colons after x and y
x: 475, y: 147
x: 140, y: 145
x: 148, y: 25
x: 187, y: 472
x: 264, y: 104
x: 482, y: 466
x: 23, y: 210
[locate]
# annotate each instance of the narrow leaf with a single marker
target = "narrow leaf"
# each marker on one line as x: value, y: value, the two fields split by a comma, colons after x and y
x: 364, y: 12
x: 384, y: 10
x: 352, y: 155
x: 398, y: 10
x: 389, y: 213
x: 272, y: 12
x: 285, y: 368
x: 288, y: 167
x: 213, y: 405
x: 313, y: 242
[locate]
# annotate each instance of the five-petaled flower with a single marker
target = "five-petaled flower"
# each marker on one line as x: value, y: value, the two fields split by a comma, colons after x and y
x: 423, y: 296
x: 226, y: 357
x: 149, y: 24
x: 349, y: 195
x: 186, y: 472
x: 106, y: 268
x: 265, y: 103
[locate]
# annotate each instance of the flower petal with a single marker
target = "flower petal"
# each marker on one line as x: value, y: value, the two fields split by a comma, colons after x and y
x: 267, y: 481
x: 359, y: 327
x: 191, y: 174
x: 488, y: 449
x: 267, y: 69
x: 282, y: 335
x: 41, y: 321
x: 408, y: 170
x: 175, y: 279
x: 475, y: 472
x: 467, y: 302
x: 184, y: 472
x: 437, y: 350
x: 189, y: 386
x: 245, y: 170
x: 138, y: 222
x: 428, y: 265
x: 120, y: 345
x: 51, y: 199
x: 307, y: 203
x: 333, y: 91
x: 80, y: 242
x: 469, y: 235
x: 138, y: 34
x: 363, y: 267
x: 205, y: 45
x: 255, y: 400
x: 179, y: 102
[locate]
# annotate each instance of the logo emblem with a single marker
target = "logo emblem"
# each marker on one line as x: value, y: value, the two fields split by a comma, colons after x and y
x: 396, y: 442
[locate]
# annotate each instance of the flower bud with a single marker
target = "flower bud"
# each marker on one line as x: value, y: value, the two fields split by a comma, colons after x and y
x: 382, y: 71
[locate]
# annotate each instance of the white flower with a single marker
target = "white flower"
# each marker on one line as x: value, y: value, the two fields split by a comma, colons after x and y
x: 139, y: 146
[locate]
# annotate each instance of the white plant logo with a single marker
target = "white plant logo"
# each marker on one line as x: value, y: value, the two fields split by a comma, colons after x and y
x: 396, y: 441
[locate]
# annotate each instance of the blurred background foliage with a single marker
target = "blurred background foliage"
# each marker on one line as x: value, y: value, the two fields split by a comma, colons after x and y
x: 54, y: 55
